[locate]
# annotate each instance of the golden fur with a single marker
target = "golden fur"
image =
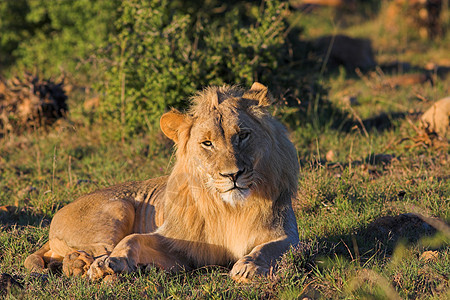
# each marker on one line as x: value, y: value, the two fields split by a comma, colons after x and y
x: 227, y: 200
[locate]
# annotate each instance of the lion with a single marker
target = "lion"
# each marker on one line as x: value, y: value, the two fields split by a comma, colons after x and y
x: 227, y: 201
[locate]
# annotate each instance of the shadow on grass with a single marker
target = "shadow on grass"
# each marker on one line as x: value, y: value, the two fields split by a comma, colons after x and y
x: 380, y: 123
x: 11, y: 286
x: 373, y: 160
x: 381, y: 237
x: 12, y: 216
x: 376, y: 242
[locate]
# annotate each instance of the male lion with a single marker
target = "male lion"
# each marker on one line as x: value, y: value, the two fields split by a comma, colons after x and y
x: 227, y: 200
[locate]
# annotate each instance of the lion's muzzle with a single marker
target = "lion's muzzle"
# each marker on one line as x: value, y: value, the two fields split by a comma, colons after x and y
x: 234, y: 186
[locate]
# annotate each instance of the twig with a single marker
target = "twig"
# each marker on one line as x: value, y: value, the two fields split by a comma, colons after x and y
x: 420, y: 97
x: 348, y: 249
x: 355, y: 115
x: 54, y: 169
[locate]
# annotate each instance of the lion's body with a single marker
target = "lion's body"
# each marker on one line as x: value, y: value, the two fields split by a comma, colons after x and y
x: 132, y: 207
x: 227, y: 200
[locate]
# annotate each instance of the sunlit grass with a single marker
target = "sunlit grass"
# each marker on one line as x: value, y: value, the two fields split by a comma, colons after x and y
x: 372, y: 174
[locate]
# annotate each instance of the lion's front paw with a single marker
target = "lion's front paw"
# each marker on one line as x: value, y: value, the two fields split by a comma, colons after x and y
x: 77, y: 263
x: 246, y: 268
x: 105, y: 266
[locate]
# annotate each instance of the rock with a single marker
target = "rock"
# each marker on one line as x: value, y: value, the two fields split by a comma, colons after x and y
x: 400, y: 225
x: 436, y: 118
x: 429, y: 256
x: 330, y: 156
x: 343, y: 50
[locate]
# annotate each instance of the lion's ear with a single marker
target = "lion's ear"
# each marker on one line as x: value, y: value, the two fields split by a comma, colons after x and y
x: 171, y: 122
x: 260, y: 93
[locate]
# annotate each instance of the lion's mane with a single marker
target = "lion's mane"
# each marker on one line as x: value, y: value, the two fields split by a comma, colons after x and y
x: 190, y: 205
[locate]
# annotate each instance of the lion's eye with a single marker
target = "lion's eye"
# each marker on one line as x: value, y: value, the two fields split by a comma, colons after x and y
x: 207, y: 144
x: 243, y: 135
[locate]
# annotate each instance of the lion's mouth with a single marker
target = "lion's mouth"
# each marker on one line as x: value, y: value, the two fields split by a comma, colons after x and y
x: 238, y: 188
x: 236, y: 194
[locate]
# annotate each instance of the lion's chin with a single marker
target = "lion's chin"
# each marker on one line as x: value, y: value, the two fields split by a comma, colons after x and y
x: 235, y: 196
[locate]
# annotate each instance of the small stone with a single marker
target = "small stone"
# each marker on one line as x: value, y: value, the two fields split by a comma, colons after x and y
x: 330, y: 156
x: 429, y: 256
x: 436, y: 118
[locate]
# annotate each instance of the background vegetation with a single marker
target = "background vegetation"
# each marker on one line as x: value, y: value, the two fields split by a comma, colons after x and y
x: 366, y: 174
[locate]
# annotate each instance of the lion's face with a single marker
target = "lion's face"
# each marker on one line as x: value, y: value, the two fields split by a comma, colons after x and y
x: 225, y: 142
x: 222, y: 149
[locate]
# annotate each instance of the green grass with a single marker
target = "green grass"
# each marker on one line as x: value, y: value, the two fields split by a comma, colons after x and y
x: 343, y: 255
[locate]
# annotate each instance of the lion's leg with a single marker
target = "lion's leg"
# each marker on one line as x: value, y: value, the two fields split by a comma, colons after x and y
x: 259, y: 261
x: 264, y: 256
x: 78, y: 262
x: 37, y: 261
x: 89, y: 229
x: 137, y: 250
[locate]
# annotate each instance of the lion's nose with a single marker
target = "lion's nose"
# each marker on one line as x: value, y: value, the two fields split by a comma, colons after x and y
x: 232, y: 175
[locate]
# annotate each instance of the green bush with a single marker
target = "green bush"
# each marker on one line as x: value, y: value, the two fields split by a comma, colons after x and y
x: 159, y: 57
x: 147, y: 56
x: 13, y: 27
x: 54, y: 36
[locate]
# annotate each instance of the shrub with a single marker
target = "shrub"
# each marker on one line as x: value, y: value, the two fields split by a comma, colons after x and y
x: 148, y: 56
x: 159, y: 57
x: 54, y: 36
